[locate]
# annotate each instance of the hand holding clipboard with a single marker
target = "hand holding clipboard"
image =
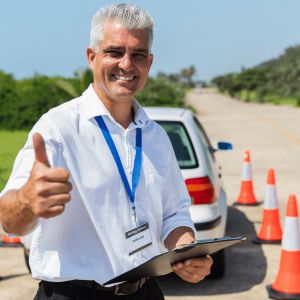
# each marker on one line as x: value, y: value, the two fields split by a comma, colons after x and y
x: 161, y: 264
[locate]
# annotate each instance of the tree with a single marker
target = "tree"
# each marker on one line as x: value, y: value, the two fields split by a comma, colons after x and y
x: 161, y: 92
x: 23, y: 102
x: 261, y: 92
x: 175, y: 78
x: 76, y: 86
x: 285, y: 79
x: 250, y: 79
x: 219, y: 82
x: 29, y: 100
x: 233, y: 84
x: 290, y: 56
x: 229, y: 82
x: 188, y: 74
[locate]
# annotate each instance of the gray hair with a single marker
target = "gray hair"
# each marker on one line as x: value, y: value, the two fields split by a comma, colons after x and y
x: 129, y: 15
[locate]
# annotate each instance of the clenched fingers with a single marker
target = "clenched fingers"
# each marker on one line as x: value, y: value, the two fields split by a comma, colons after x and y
x: 46, y: 189
x: 56, y: 188
x: 53, y: 211
x: 52, y: 206
x: 57, y: 175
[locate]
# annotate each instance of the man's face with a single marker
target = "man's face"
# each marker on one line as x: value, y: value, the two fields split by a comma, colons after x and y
x: 122, y: 63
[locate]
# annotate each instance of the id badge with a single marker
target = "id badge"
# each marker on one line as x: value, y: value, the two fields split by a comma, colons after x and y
x: 138, y: 238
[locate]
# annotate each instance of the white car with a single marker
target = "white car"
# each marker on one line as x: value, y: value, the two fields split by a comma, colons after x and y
x: 201, y: 173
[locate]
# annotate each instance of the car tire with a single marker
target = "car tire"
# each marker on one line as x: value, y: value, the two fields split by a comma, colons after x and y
x: 26, y: 255
x: 217, y: 270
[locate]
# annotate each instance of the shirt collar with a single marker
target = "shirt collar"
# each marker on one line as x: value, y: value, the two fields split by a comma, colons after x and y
x: 94, y: 107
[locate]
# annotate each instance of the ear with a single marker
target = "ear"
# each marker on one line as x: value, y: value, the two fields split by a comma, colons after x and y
x: 150, y: 60
x: 91, y: 55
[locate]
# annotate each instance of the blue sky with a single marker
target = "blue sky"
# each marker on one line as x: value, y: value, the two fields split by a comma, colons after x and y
x: 217, y: 36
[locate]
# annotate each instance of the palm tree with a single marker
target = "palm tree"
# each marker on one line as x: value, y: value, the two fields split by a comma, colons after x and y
x: 75, y: 88
x: 188, y: 74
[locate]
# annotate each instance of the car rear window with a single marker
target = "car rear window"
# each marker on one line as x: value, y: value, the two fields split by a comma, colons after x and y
x: 181, y: 143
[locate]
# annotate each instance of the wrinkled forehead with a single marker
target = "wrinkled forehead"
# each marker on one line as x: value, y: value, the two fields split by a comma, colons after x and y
x: 116, y: 34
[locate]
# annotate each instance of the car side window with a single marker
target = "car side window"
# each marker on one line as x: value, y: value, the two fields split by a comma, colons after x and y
x: 208, y: 144
x: 181, y: 142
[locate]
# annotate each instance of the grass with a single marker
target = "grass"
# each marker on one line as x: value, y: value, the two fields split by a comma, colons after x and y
x: 11, y: 143
x: 267, y: 99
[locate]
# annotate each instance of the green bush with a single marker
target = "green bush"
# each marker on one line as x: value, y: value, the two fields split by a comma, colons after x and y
x: 161, y: 92
x: 261, y: 92
x: 298, y: 98
x: 23, y: 102
x: 276, y: 81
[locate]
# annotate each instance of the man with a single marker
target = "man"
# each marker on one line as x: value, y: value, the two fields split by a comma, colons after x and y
x: 71, y: 183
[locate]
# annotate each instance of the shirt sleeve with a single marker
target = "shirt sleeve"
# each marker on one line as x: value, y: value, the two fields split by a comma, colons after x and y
x: 176, y: 200
x: 25, y: 158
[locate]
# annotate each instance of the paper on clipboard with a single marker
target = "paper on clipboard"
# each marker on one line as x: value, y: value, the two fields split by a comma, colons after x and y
x: 161, y: 264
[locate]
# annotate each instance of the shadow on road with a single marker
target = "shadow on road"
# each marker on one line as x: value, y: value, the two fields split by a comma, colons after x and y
x: 11, y: 276
x: 245, y: 264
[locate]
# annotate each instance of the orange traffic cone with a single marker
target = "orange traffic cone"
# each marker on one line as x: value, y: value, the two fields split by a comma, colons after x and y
x: 10, y: 242
x: 287, y: 282
x: 270, y: 231
x: 246, y: 196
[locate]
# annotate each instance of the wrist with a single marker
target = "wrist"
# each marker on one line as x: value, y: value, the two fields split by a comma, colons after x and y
x: 24, y: 203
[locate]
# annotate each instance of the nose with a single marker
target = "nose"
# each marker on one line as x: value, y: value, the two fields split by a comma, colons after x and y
x: 126, y: 63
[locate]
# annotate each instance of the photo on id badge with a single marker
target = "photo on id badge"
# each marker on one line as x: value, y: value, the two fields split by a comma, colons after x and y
x: 137, y: 237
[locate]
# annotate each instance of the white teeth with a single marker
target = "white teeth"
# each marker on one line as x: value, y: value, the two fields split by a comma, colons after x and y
x: 123, y: 77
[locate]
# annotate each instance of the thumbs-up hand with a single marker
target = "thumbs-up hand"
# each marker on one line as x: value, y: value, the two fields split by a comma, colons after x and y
x: 47, y: 189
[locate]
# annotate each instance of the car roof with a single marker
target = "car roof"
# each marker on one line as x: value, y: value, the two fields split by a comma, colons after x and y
x: 166, y: 113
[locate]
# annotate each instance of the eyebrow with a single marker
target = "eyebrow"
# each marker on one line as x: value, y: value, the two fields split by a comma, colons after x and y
x: 109, y: 48
x: 143, y: 50
x: 120, y: 48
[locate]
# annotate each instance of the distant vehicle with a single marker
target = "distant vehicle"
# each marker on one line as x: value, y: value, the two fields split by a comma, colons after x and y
x: 201, y: 172
x: 198, y: 91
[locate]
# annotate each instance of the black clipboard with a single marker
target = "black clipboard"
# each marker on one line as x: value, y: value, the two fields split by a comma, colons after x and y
x: 161, y: 264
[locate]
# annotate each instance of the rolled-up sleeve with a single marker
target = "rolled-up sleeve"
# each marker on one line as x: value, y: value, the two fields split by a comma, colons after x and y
x: 176, y: 200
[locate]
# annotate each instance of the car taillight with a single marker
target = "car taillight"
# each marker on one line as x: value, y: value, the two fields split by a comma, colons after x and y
x: 201, y: 190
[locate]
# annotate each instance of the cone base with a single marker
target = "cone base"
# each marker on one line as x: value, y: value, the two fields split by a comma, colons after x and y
x: 247, y: 204
x: 257, y: 240
x: 4, y: 244
x: 273, y: 294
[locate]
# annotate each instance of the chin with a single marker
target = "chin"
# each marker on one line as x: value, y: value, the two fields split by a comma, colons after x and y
x: 124, y: 98
x: 124, y: 94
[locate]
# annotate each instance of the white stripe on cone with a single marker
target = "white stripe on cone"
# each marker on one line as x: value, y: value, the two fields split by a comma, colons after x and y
x: 271, y: 201
x: 291, y: 234
x: 246, y: 174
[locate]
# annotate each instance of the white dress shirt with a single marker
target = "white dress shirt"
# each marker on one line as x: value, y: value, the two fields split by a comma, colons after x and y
x: 87, y: 241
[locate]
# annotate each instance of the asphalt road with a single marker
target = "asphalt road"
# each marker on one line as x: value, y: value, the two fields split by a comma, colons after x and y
x: 272, y: 135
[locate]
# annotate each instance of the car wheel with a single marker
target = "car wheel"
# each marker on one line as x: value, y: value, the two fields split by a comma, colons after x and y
x: 26, y: 255
x: 217, y: 270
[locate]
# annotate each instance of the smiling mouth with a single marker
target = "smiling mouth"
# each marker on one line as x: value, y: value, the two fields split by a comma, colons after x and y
x: 127, y: 78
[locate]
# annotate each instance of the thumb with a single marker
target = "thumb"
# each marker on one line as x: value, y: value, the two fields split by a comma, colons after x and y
x: 40, y: 150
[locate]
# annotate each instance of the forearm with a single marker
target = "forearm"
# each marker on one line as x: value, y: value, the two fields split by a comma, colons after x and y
x: 179, y: 236
x: 15, y: 217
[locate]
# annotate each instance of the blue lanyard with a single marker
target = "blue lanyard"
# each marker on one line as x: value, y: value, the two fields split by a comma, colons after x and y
x: 115, y: 154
